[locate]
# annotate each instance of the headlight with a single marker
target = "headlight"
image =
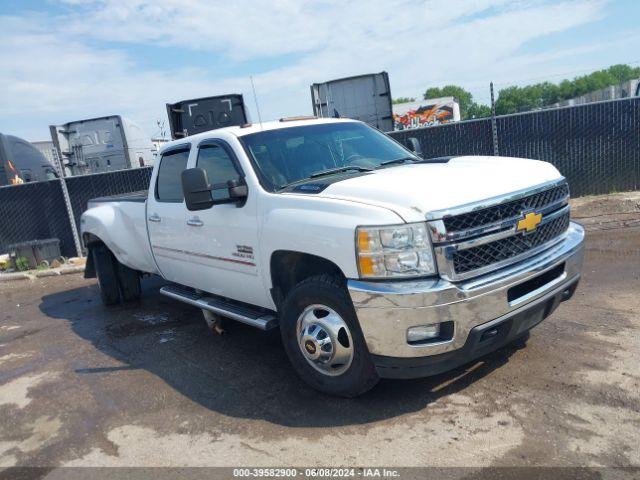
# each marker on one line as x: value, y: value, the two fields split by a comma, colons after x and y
x: 398, y: 251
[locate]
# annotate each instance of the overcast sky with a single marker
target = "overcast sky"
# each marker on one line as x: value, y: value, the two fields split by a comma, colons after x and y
x: 65, y: 60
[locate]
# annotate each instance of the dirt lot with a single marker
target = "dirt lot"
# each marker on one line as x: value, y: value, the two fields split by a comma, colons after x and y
x: 148, y: 385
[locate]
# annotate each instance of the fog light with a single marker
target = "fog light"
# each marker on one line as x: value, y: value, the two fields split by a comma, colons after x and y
x: 423, y: 332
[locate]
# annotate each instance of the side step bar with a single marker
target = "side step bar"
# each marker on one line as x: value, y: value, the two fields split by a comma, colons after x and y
x: 254, y: 317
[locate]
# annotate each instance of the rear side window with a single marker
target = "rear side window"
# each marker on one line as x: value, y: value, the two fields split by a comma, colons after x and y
x: 219, y: 166
x: 169, y: 183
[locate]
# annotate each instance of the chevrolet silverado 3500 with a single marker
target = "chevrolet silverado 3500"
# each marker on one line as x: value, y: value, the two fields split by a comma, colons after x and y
x: 372, y: 261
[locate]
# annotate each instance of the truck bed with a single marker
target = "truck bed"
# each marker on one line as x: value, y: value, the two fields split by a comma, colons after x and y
x: 139, y: 196
x: 120, y: 221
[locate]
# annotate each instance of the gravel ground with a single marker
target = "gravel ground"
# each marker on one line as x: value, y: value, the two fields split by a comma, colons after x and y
x: 149, y: 385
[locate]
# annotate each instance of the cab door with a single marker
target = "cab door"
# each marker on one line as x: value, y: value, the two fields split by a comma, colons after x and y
x: 167, y: 216
x: 223, y: 239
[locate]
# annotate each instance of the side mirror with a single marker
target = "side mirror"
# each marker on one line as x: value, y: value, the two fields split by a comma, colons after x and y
x: 195, y: 186
x: 238, y: 190
x: 200, y: 195
x: 414, y: 145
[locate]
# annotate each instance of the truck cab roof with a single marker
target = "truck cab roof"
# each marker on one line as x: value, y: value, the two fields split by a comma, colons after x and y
x: 240, y: 131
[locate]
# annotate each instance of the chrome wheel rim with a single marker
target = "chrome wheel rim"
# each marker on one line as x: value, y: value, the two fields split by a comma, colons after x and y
x: 325, y: 340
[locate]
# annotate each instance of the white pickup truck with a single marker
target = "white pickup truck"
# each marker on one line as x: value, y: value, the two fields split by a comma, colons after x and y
x: 372, y: 261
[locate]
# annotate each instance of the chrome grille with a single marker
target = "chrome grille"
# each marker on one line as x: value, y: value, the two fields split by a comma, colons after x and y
x: 480, y: 238
x: 506, y: 210
x: 506, y: 248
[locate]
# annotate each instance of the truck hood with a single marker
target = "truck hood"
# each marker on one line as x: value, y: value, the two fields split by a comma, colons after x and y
x: 415, y: 190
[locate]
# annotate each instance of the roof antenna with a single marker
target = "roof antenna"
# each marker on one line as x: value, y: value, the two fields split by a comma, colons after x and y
x: 255, y: 98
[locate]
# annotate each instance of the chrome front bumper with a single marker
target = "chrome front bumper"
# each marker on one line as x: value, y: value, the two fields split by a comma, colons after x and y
x: 386, y: 310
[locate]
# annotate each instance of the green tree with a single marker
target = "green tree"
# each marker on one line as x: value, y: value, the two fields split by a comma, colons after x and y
x: 478, y: 110
x: 518, y: 99
x: 403, y: 100
x: 622, y: 73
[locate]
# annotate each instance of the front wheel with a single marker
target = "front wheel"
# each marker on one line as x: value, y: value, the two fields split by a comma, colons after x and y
x: 323, y: 340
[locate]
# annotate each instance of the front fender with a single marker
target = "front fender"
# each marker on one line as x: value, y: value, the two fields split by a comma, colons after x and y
x: 318, y: 226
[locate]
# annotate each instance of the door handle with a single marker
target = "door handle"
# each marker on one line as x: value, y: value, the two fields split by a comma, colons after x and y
x: 154, y: 218
x: 195, y: 222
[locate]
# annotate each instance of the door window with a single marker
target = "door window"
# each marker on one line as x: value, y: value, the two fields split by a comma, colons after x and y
x: 169, y: 183
x: 219, y: 166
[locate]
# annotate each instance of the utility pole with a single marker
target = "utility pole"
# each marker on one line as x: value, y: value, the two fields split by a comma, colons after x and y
x: 494, y: 125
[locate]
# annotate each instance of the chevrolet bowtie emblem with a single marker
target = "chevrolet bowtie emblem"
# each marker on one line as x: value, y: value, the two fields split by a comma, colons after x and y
x: 529, y: 222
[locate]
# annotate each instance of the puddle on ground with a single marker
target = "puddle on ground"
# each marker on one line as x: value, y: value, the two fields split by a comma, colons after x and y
x: 145, y: 323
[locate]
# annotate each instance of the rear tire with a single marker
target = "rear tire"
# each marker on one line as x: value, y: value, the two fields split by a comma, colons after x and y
x: 317, y: 315
x: 129, y: 282
x: 105, y: 265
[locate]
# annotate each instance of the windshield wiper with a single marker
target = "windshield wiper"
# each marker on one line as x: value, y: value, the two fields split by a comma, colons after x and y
x: 322, y: 173
x: 399, y: 160
x: 331, y: 171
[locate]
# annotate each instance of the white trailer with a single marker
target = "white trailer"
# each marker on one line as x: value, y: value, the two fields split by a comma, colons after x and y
x: 364, y: 97
x: 628, y: 89
x: 101, y: 145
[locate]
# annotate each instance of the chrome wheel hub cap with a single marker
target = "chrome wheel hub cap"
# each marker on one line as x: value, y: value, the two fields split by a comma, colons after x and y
x: 325, y: 340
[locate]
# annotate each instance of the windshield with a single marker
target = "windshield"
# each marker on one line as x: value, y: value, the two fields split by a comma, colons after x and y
x: 288, y: 155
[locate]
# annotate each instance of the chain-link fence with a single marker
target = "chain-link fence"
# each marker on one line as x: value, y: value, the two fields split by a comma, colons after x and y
x: 596, y: 146
x: 85, y: 187
x: 36, y: 211
x: 472, y: 137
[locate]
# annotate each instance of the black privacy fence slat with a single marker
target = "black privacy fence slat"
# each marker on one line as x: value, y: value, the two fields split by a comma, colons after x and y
x: 596, y: 146
x: 472, y: 137
x: 37, y: 211
x: 85, y: 187
x: 34, y: 211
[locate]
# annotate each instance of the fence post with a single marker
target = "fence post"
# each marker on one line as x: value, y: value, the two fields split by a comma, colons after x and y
x: 67, y: 201
x: 494, y: 123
